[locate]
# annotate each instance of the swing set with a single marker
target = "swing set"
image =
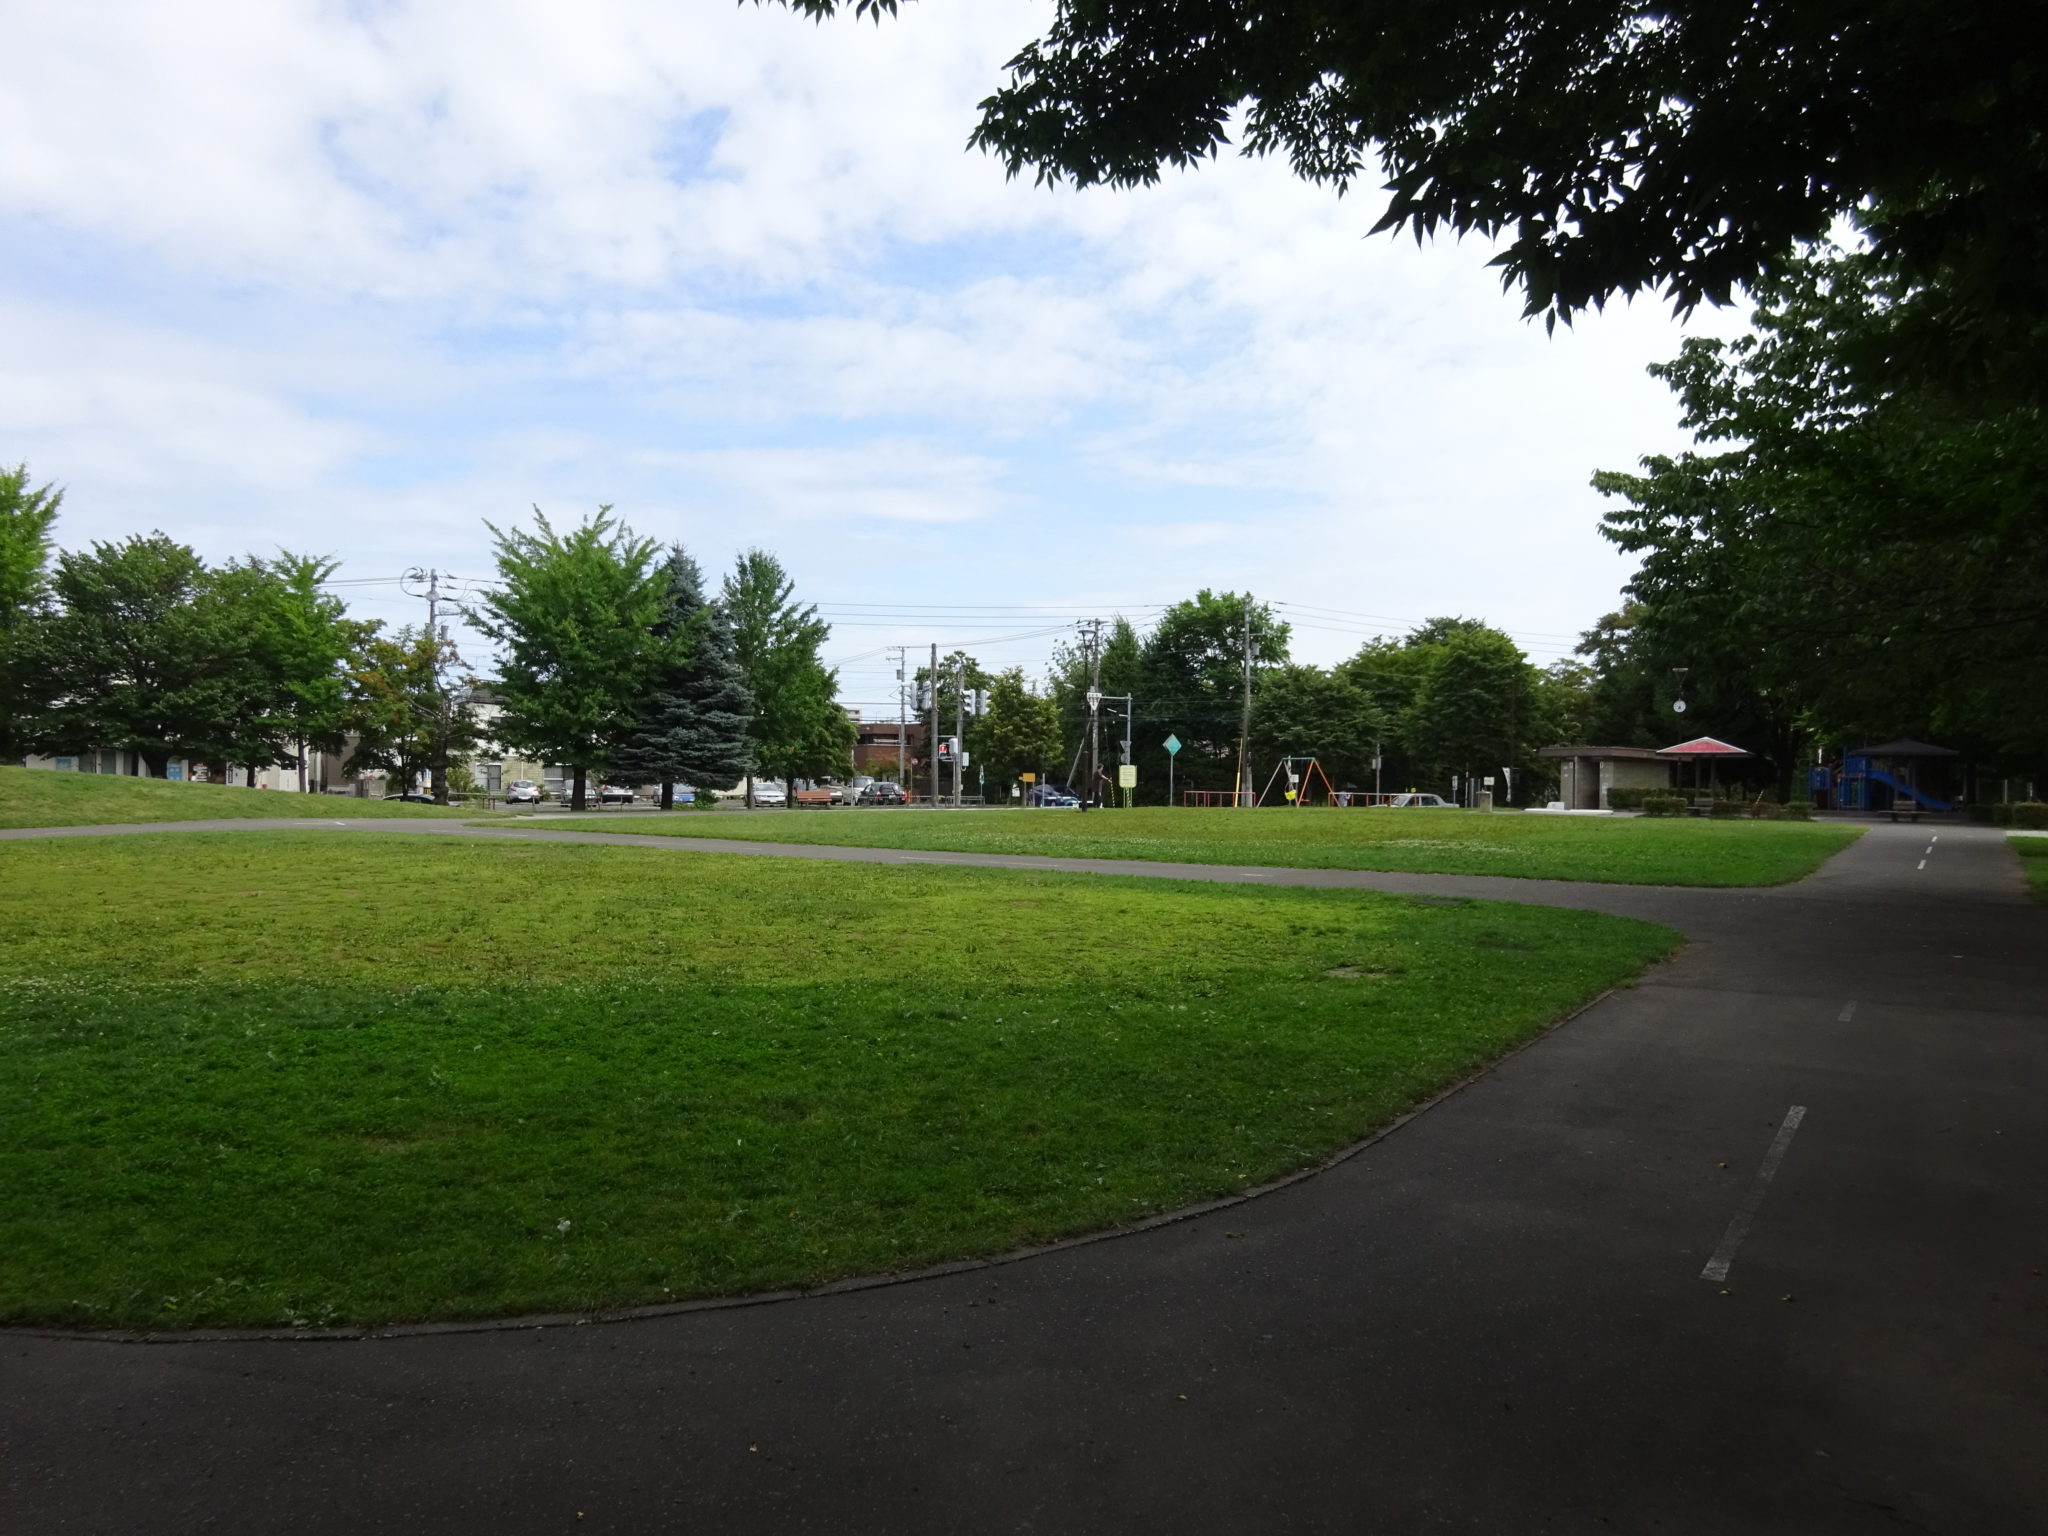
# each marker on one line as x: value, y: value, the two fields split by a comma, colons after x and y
x: 1297, y: 791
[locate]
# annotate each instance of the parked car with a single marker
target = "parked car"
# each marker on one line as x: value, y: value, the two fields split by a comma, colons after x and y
x: 683, y: 794
x: 523, y: 792
x: 881, y: 792
x: 613, y: 794
x: 767, y: 792
x: 1052, y: 796
x: 414, y: 797
x: 1421, y: 803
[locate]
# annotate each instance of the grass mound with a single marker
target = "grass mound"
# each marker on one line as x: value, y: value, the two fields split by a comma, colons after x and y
x: 35, y: 797
x: 1628, y: 851
x: 301, y: 1078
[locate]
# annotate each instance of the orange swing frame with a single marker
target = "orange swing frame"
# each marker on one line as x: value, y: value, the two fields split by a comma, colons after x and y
x: 1300, y: 789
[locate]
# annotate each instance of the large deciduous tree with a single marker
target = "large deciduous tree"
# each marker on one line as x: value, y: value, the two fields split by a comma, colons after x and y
x: 1303, y: 711
x: 1474, y: 711
x: 130, y: 656
x: 692, y: 726
x: 797, y: 729
x: 1191, y: 678
x: 412, y: 711
x: 1872, y: 557
x: 1018, y: 733
x: 1615, y: 146
x: 26, y: 513
x: 576, y: 615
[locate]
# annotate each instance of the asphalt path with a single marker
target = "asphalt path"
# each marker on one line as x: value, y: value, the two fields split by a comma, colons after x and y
x: 1754, y: 1246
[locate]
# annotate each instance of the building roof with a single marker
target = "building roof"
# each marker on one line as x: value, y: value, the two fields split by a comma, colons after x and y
x: 1904, y: 747
x: 1703, y: 746
x: 1561, y: 750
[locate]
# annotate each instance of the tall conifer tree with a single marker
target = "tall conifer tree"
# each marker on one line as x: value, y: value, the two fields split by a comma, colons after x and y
x: 693, y: 725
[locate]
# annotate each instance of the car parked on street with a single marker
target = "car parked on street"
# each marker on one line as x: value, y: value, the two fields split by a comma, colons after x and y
x: 523, y: 792
x: 1420, y: 803
x: 614, y: 794
x: 767, y: 792
x: 414, y: 797
x: 1053, y: 797
x: 881, y: 792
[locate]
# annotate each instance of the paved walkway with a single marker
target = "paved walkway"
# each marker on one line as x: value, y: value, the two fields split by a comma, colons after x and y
x: 1494, y: 1320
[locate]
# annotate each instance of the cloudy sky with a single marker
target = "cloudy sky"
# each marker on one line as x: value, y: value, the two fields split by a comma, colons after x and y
x: 354, y: 277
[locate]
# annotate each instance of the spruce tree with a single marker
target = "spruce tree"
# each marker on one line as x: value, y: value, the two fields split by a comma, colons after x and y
x: 693, y: 724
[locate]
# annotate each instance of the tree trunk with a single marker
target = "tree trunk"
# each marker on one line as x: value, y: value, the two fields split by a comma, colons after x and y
x: 750, y: 789
x: 577, y: 798
x: 789, y: 793
x: 668, y: 795
x: 154, y: 764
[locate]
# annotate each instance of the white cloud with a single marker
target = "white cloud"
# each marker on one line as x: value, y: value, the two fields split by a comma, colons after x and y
x: 378, y: 271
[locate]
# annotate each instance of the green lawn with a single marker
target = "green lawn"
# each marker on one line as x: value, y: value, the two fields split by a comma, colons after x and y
x: 1628, y: 851
x: 255, y: 1078
x: 2033, y: 852
x: 35, y: 797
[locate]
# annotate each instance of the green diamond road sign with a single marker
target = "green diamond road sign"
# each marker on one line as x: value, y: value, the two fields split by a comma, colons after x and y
x: 1173, y: 746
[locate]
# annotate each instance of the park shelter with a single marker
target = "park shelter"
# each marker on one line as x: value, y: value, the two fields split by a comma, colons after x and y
x: 1705, y: 752
x: 1894, y: 774
x: 1585, y: 775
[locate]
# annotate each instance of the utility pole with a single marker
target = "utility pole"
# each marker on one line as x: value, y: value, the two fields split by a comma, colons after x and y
x: 1244, y: 725
x: 931, y: 742
x: 959, y: 725
x: 439, y: 766
x: 1094, y: 714
x: 902, y: 709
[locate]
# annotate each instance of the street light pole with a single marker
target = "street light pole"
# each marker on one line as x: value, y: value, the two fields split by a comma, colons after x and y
x: 959, y: 723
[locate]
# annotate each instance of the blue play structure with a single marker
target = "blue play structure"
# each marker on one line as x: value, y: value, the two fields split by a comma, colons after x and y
x: 1882, y: 778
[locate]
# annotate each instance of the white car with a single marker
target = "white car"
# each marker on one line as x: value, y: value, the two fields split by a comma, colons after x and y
x: 1421, y: 802
x: 613, y: 794
x: 522, y: 792
x: 767, y: 792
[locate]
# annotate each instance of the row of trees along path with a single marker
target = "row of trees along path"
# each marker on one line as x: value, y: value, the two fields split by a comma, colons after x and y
x: 614, y: 658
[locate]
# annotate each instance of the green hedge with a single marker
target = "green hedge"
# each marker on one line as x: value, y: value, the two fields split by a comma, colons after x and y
x: 1630, y: 799
x: 1662, y: 805
x: 2031, y: 815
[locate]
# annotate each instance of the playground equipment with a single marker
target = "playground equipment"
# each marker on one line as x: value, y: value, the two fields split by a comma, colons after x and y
x: 1886, y: 778
x: 1297, y: 791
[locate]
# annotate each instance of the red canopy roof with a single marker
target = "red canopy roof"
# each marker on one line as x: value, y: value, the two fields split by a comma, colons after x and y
x: 1703, y: 746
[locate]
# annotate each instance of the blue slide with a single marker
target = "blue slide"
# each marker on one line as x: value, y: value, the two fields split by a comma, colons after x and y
x: 1927, y: 800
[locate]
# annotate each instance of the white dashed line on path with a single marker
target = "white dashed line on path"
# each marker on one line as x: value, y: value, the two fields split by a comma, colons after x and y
x: 1848, y: 1012
x: 1724, y: 1256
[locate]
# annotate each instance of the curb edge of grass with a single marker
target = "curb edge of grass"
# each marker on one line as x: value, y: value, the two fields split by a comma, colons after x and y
x: 531, y: 1322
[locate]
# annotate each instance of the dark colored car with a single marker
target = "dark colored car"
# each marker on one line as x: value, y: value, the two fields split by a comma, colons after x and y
x: 882, y: 792
x: 414, y: 797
